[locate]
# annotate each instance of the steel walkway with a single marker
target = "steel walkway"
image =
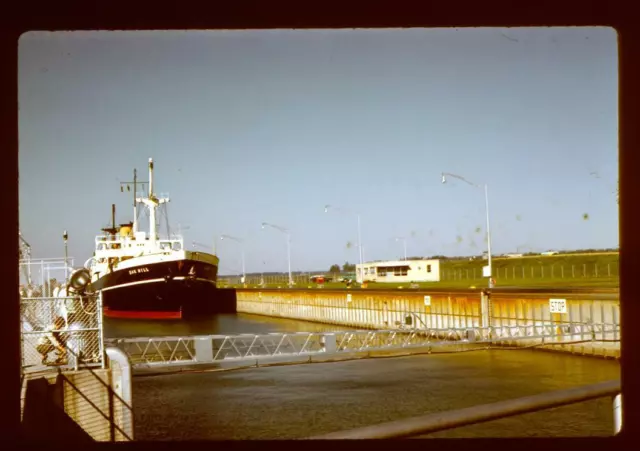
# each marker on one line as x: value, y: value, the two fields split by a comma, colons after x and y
x: 158, y: 352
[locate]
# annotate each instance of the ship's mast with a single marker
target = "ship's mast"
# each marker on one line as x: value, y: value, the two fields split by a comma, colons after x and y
x: 152, y: 206
x: 135, y: 204
x: 152, y: 202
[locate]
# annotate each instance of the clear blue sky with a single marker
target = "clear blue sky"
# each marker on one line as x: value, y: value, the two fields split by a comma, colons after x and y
x: 256, y: 126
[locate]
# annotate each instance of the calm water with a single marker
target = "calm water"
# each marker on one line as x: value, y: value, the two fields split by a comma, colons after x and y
x: 216, y: 324
x: 303, y: 400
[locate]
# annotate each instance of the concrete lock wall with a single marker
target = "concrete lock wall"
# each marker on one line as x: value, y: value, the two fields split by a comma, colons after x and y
x: 508, y: 311
x: 368, y: 310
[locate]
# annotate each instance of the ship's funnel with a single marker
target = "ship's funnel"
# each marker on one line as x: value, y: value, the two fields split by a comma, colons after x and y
x: 126, y: 230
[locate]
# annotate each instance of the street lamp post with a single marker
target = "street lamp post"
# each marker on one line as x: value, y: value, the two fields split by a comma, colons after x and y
x: 286, y: 232
x: 404, y: 242
x: 65, y: 237
x: 326, y: 210
x: 486, y: 199
x: 237, y: 240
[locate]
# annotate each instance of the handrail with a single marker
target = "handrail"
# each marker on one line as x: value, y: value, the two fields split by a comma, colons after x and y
x: 411, y: 427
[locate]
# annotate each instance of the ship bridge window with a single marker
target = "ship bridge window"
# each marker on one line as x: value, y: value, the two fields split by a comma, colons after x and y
x: 176, y: 246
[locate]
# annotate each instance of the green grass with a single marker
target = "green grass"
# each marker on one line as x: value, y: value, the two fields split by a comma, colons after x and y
x: 602, y: 260
x: 479, y: 283
x: 560, y: 271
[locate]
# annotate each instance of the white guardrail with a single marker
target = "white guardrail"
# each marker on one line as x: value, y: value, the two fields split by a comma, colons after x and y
x: 150, y: 352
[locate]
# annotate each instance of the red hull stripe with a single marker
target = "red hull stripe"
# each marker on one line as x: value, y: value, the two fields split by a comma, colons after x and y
x: 142, y: 314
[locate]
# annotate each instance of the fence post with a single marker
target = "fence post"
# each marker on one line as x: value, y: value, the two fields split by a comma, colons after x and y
x: 573, y: 271
x: 562, y: 271
x: 617, y: 414
x: 609, y: 269
x: 523, y: 272
x: 532, y: 275
x: 541, y: 272
x: 596, y: 266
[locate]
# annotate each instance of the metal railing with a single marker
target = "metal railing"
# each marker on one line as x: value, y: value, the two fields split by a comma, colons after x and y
x: 149, y: 352
x: 69, y: 327
x: 37, y: 276
x: 101, y: 404
x: 422, y: 425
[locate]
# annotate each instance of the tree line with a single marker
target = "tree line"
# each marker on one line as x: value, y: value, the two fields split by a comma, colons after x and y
x: 347, y: 267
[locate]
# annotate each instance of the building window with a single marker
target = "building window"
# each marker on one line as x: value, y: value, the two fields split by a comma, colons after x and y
x: 428, y: 268
x: 400, y: 270
x: 372, y: 270
x: 382, y: 271
x: 366, y: 270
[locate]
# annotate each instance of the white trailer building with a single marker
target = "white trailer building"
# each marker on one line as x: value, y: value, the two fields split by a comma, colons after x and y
x: 399, y: 271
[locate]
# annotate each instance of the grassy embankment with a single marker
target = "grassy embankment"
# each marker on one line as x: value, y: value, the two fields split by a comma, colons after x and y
x: 569, y: 270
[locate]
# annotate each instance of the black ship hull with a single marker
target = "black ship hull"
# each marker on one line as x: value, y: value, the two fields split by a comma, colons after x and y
x: 163, y: 290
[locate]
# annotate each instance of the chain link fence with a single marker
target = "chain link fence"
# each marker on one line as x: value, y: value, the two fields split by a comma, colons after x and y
x: 64, y: 332
x: 599, y: 271
x: 301, y: 280
x: 535, y: 271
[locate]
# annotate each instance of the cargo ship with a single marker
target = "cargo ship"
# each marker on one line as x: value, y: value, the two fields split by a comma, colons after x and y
x: 144, y: 276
